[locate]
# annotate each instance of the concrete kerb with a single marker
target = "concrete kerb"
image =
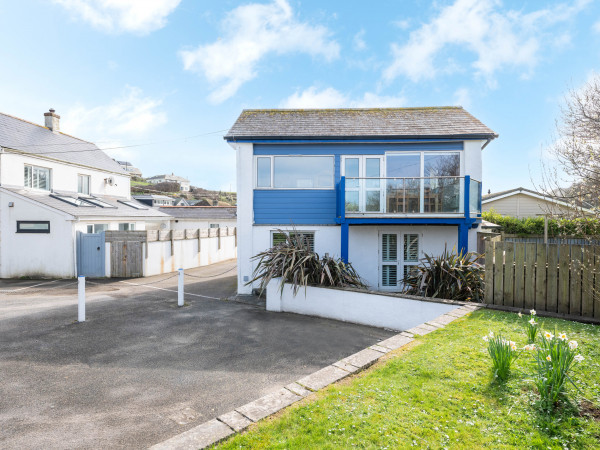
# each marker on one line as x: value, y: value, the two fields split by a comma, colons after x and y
x: 216, y: 430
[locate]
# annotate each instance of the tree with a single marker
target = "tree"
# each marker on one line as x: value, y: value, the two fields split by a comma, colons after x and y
x: 577, y: 149
x: 167, y: 186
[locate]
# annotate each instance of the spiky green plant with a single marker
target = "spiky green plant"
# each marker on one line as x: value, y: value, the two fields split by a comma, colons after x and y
x: 453, y: 276
x: 294, y: 262
x: 503, y: 352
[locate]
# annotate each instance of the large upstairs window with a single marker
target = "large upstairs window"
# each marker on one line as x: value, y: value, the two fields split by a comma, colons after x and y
x: 37, y: 178
x: 294, y: 172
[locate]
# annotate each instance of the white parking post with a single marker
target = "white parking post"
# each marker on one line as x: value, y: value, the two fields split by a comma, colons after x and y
x: 180, y: 289
x: 81, y: 302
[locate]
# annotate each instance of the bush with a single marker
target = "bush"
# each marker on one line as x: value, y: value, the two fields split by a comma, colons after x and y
x: 451, y: 276
x: 580, y: 227
x: 295, y: 263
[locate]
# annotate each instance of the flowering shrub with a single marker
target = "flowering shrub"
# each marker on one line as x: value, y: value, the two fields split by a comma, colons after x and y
x: 503, y: 352
x: 532, y: 327
x: 555, y: 356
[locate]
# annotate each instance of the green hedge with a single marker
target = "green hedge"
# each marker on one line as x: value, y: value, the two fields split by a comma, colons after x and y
x: 535, y: 225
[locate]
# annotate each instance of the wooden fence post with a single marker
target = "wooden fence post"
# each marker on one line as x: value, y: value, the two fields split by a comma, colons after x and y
x: 519, y: 301
x: 509, y: 274
x: 498, y: 273
x: 540, y: 277
x: 564, y: 263
x: 587, y: 284
x: 576, y: 260
x: 529, y: 302
x: 489, y: 270
x: 552, y: 279
x: 596, y: 292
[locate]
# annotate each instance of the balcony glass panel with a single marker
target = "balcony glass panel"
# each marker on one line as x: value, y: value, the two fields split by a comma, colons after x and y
x: 352, y: 201
x: 442, y: 195
x: 474, y: 196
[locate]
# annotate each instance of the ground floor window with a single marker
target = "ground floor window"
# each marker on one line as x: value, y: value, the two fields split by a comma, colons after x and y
x: 397, y: 262
x: 127, y: 227
x: 33, y: 226
x: 277, y: 237
x: 97, y: 228
x: 214, y: 225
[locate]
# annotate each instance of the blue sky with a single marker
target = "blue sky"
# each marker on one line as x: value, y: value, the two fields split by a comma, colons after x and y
x: 155, y: 76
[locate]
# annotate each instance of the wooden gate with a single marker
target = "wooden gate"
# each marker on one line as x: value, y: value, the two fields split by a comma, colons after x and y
x: 562, y: 279
x: 126, y: 253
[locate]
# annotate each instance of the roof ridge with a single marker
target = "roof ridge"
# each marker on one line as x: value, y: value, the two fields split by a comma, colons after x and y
x: 45, y: 128
x: 354, y: 109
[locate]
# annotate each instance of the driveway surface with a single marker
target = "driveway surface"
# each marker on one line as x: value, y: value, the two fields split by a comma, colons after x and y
x: 140, y: 369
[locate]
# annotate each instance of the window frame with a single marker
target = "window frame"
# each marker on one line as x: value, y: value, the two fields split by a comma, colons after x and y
x: 272, y: 187
x: 130, y: 226
x: 94, y: 225
x: 33, y: 167
x: 45, y: 222
x: 89, y: 184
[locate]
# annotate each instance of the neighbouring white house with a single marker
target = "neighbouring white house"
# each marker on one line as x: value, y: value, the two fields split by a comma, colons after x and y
x: 523, y: 203
x: 155, y: 200
x: 184, y: 183
x: 186, y: 217
x: 128, y: 167
x: 377, y: 187
x: 54, y: 188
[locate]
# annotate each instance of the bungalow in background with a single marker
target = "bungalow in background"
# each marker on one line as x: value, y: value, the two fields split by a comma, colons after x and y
x: 184, y: 183
x: 522, y: 203
x: 183, y: 217
x: 54, y: 188
x: 377, y: 187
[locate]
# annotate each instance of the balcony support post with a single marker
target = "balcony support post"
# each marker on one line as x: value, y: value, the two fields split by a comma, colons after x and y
x: 344, y: 241
x: 463, y: 238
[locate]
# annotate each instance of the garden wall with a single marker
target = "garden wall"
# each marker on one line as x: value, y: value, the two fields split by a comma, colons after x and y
x: 382, y: 310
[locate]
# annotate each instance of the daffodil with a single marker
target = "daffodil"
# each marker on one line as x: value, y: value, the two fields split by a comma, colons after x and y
x: 533, y: 322
x: 548, y: 335
x: 573, y: 345
x: 548, y: 358
x: 562, y: 336
x: 485, y: 338
x: 520, y: 315
x: 578, y: 358
x: 532, y: 312
x: 529, y: 347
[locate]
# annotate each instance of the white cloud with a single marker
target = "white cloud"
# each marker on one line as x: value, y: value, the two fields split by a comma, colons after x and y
x: 359, y: 41
x: 596, y: 27
x: 130, y: 115
x: 135, y: 16
x: 498, y: 39
x: 462, y: 97
x: 250, y: 33
x: 332, y: 98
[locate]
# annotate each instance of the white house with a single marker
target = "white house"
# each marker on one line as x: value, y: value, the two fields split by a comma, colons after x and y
x: 377, y: 187
x: 128, y: 167
x: 185, y: 217
x: 184, y: 183
x: 523, y: 203
x: 53, y: 186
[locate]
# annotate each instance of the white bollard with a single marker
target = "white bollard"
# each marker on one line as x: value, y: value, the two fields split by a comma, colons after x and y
x: 81, y: 302
x: 180, y: 289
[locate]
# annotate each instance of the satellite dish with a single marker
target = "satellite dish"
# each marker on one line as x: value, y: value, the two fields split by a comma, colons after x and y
x: 110, y: 181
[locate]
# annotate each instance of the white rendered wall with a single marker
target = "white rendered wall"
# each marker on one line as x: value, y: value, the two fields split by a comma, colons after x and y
x: 64, y: 175
x: 35, y: 254
x: 365, y: 308
x: 183, y: 224
x: 245, y: 215
x: 113, y: 225
x: 161, y: 259
x: 472, y: 159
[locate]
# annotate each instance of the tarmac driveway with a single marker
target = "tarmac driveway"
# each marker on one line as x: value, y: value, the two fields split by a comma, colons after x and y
x: 140, y: 369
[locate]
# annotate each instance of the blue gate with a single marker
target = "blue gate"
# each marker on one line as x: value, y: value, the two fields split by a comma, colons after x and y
x: 90, y: 254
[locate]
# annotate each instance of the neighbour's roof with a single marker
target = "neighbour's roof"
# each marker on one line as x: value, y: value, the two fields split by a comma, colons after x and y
x: 19, y: 134
x: 119, y: 209
x: 540, y: 195
x: 169, y: 177
x: 152, y: 197
x: 433, y: 122
x: 519, y: 190
x: 125, y: 163
x: 200, y: 212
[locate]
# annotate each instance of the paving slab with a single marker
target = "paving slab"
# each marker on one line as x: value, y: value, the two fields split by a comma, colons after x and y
x: 269, y: 404
x: 235, y: 420
x: 444, y: 319
x: 379, y: 348
x: 458, y: 312
x: 201, y: 436
x: 422, y: 329
x: 470, y: 307
x: 298, y: 390
x: 364, y: 358
x: 324, y: 377
x: 435, y: 324
x: 345, y: 366
x: 395, y: 342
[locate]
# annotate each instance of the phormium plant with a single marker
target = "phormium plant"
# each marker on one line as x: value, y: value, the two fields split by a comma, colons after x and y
x: 453, y: 276
x: 294, y: 262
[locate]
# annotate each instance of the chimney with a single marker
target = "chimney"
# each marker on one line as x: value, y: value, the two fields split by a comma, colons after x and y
x: 52, y: 121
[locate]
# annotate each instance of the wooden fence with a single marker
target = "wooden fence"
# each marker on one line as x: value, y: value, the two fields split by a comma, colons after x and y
x: 558, y: 278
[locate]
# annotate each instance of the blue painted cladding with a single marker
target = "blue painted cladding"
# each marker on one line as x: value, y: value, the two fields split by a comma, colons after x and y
x: 352, y: 149
x: 284, y: 207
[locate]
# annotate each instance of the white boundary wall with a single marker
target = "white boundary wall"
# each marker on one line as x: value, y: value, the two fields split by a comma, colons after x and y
x: 366, y: 308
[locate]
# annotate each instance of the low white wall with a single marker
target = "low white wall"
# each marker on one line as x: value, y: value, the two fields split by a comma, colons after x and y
x: 161, y: 259
x: 367, y: 308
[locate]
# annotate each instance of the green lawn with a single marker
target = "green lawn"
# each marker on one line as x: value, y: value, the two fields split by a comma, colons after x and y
x: 439, y: 393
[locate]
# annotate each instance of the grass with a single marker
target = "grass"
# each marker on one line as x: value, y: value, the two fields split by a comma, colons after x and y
x: 439, y: 393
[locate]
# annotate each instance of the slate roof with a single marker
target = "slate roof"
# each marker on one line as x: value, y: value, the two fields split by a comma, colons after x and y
x: 19, y: 134
x: 120, y: 210
x: 433, y: 122
x: 200, y: 212
x: 513, y: 191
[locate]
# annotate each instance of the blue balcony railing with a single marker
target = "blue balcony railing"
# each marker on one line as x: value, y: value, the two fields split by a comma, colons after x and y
x: 415, y: 196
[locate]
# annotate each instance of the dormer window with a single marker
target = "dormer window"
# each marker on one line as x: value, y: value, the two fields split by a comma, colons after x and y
x: 37, y: 177
x: 83, y: 184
